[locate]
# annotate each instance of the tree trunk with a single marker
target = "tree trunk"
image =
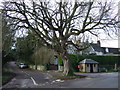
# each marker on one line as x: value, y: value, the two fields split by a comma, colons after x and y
x: 35, y: 65
x: 67, y: 69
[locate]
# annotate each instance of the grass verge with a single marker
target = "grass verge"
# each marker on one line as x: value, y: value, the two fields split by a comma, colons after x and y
x: 113, y: 71
x: 62, y: 77
x: 7, y: 75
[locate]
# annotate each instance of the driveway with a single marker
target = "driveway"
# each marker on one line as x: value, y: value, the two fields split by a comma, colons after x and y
x: 34, y: 79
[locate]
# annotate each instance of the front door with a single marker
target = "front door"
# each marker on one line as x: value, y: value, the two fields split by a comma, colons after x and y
x: 91, y: 67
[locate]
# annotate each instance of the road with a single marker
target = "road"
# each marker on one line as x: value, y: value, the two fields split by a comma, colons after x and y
x: 34, y: 79
x: 97, y: 80
x: 26, y: 78
x: 105, y: 80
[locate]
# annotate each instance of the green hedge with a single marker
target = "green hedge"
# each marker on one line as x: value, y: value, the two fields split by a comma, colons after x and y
x: 60, y: 62
x: 103, y: 60
x: 8, y: 57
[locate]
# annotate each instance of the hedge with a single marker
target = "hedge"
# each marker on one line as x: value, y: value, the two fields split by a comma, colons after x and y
x: 60, y: 62
x: 103, y: 60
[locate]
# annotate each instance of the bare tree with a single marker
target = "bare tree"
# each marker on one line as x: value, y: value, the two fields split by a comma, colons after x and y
x: 56, y: 22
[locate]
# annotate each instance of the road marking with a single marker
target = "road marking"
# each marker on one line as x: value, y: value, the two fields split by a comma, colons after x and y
x: 27, y: 73
x: 31, y: 79
x: 34, y: 81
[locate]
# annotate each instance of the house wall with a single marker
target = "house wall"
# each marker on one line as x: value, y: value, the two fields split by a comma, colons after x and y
x: 87, y: 66
x: 95, y: 68
x: 99, y: 53
x: 82, y: 68
x: 90, y: 50
x: 39, y: 67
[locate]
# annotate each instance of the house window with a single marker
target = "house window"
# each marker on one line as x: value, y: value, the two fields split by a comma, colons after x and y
x: 119, y: 50
x: 94, y: 65
x: 107, y: 50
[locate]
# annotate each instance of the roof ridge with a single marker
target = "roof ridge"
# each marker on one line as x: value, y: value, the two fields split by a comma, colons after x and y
x: 88, y: 61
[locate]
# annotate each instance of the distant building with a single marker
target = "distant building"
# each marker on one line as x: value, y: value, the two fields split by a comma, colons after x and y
x: 96, y: 49
x: 115, y: 51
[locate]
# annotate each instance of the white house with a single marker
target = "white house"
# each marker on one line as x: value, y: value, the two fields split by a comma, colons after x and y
x: 95, y: 49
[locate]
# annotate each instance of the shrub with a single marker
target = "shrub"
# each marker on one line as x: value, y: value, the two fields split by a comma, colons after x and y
x: 60, y: 62
x: 103, y: 60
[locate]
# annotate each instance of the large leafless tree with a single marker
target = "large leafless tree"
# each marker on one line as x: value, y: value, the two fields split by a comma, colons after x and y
x: 56, y: 22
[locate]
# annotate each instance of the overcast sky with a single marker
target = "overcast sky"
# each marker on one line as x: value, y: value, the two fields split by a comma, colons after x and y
x: 105, y: 41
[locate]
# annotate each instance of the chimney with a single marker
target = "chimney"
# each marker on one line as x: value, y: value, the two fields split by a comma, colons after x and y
x: 98, y: 43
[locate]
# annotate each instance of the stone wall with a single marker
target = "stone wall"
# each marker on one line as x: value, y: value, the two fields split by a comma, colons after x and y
x: 39, y: 67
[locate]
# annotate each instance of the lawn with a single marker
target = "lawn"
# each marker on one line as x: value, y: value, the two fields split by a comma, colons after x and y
x: 62, y: 77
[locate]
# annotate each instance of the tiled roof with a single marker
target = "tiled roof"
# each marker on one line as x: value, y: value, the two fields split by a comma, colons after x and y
x: 97, y: 48
x: 88, y: 61
x: 112, y: 50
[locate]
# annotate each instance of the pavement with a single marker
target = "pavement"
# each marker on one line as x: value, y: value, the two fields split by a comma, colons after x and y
x: 34, y: 79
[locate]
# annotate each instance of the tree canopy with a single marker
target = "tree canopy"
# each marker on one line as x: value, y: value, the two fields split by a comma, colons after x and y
x: 56, y: 23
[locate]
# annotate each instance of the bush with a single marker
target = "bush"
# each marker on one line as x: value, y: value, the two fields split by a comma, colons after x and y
x: 103, y: 60
x: 6, y: 57
x: 60, y: 62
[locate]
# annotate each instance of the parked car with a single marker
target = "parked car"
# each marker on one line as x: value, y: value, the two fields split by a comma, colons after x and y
x: 23, y: 65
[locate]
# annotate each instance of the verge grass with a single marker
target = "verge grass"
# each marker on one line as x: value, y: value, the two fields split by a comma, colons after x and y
x: 7, y: 75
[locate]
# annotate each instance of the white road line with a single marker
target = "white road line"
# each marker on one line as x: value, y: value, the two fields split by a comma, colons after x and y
x: 34, y: 81
x: 27, y: 73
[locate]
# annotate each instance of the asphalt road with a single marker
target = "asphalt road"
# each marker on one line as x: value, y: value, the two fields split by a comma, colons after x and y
x: 26, y: 78
x: 104, y: 80
x: 34, y: 79
x: 97, y: 80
